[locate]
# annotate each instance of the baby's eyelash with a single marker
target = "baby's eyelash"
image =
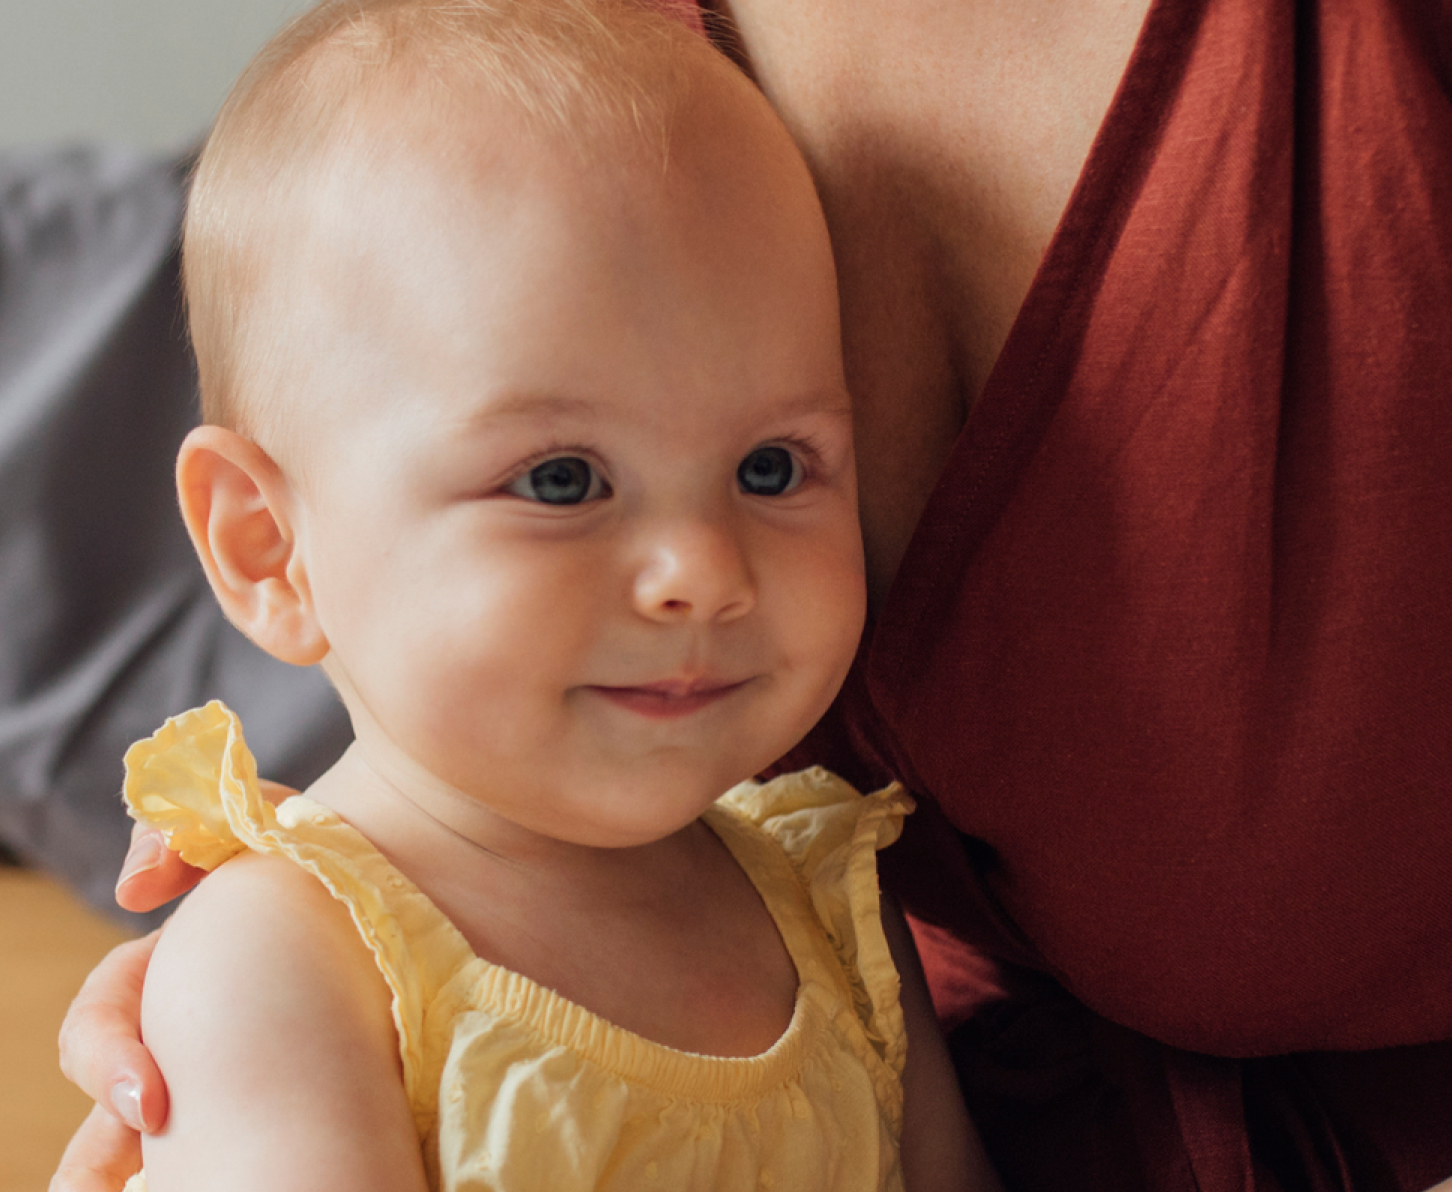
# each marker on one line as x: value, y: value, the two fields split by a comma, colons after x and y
x: 554, y: 451
x: 807, y: 449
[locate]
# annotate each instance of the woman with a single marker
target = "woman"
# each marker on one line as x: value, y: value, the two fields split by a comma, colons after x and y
x: 1164, y: 296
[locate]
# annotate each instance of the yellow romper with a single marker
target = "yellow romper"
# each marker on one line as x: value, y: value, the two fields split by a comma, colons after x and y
x: 515, y: 1088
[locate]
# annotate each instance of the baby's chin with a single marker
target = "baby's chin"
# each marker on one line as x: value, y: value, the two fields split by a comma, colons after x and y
x: 624, y: 819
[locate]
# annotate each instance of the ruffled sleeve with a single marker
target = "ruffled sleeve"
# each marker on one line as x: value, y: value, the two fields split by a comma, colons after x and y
x: 831, y: 834
x: 195, y: 779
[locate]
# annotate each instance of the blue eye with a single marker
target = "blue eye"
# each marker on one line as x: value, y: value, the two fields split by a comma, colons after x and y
x: 564, y: 480
x: 769, y: 472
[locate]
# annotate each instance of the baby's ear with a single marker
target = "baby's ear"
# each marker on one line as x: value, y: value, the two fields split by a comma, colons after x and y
x: 238, y: 508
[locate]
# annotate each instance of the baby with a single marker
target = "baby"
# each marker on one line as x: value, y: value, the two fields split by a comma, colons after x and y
x: 525, y: 417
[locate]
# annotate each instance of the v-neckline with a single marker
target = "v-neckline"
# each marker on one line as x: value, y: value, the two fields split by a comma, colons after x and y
x: 1020, y: 397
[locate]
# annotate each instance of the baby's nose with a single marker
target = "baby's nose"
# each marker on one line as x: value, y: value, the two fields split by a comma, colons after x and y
x: 695, y: 571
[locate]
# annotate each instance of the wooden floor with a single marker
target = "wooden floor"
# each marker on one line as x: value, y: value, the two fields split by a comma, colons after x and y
x: 48, y: 942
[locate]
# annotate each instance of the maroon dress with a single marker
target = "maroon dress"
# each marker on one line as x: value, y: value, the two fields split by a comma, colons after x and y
x: 1170, y: 655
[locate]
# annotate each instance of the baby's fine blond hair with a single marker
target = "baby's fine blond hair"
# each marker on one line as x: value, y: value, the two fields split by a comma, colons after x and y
x: 583, y: 72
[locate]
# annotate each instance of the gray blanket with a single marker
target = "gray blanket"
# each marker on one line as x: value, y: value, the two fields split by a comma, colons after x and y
x: 106, y: 623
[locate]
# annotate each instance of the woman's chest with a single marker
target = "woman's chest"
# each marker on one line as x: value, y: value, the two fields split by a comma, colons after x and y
x: 945, y: 140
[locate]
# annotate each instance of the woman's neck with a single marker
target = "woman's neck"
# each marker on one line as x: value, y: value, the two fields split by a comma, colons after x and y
x: 945, y: 139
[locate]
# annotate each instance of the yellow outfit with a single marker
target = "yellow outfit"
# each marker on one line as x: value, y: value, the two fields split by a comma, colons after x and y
x: 515, y: 1088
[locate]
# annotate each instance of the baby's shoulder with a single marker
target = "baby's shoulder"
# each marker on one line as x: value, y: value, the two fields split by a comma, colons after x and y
x: 261, y: 998
x: 260, y: 937
x: 254, y: 891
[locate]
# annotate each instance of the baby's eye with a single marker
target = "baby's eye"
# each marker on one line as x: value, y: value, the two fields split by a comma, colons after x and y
x: 564, y: 480
x: 769, y: 472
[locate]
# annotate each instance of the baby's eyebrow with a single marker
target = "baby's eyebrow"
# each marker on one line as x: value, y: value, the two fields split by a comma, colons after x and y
x: 828, y: 401
x: 831, y: 404
x: 529, y: 405
x: 497, y: 411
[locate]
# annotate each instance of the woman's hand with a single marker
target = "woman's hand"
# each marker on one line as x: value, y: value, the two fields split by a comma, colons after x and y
x: 101, y: 1050
x: 151, y: 876
x: 101, y: 1156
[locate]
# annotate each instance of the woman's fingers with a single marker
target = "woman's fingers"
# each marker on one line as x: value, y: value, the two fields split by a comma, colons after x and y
x: 100, y: 1042
x: 152, y: 874
x: 274, y: 792
x: 100, y: 1157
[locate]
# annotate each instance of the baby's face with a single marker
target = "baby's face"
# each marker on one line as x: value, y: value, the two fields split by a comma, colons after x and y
x: 579, y: 515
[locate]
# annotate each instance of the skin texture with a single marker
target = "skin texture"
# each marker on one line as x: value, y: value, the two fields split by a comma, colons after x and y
x: 944, y: 140
x: 546, y: 696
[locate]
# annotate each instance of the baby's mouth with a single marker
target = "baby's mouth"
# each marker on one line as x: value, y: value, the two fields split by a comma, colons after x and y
x: 668, y: 699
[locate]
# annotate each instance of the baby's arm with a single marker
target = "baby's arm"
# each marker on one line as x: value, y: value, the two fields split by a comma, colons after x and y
x: 940, y: 1148
x: 273, y: 1029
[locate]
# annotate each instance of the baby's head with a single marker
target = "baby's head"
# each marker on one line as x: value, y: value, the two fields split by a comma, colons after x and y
x: 349, y: 104
x: 518, y: 340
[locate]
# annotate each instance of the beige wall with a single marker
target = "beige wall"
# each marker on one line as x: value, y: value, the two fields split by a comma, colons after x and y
x: 148, y: 73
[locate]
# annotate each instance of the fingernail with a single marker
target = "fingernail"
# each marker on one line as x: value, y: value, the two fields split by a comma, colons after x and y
x: 126, y: 1100
x: 145, y: 855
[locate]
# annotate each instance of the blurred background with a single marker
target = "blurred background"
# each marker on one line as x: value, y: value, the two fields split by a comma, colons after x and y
x: 147, y: 74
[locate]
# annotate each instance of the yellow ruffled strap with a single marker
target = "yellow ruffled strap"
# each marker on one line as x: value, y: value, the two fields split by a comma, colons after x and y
x: 832, y: 835
x: 196, y: 780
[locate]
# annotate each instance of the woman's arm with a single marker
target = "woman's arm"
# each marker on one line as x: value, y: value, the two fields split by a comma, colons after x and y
x: 274, y: 1031
x: 941, y: 1151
